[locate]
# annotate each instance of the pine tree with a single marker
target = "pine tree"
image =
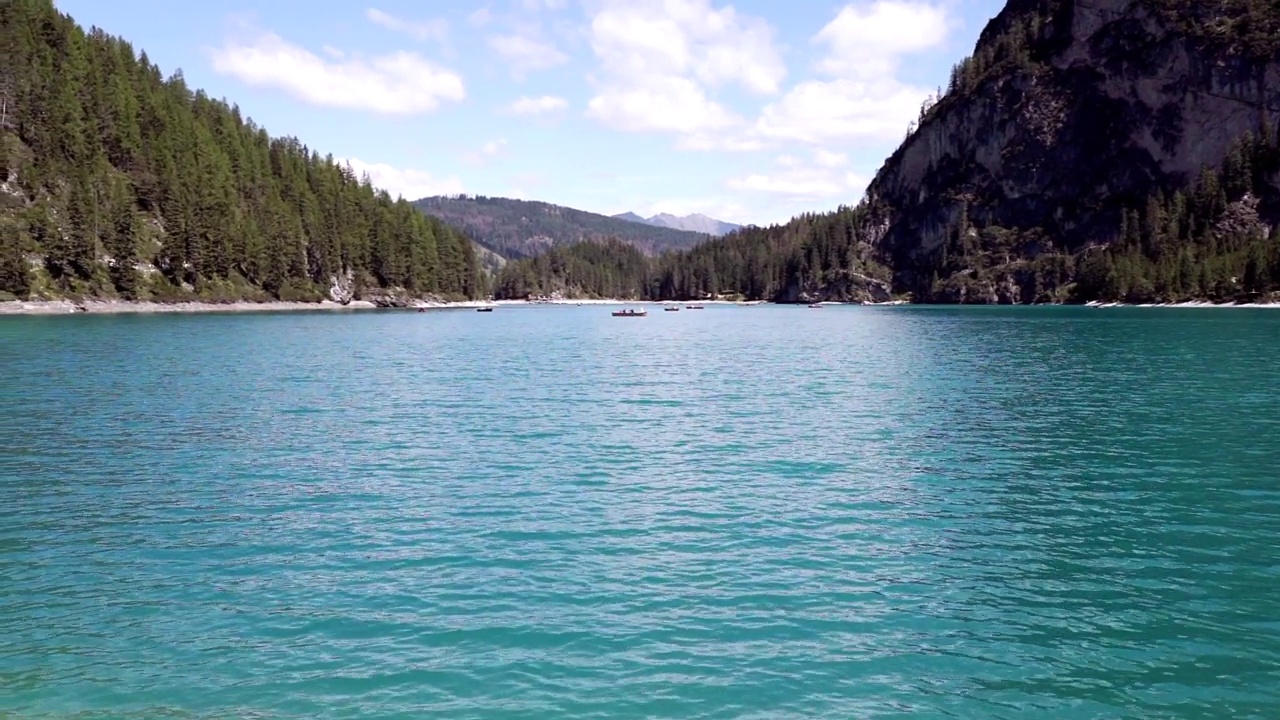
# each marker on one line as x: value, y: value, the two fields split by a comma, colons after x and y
x: 15, y: 277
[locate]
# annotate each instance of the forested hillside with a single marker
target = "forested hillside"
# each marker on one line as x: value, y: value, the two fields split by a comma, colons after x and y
x: 522, y: 228
x: 118, y: 182
x: 811, y: 256
x: 1106, y: 150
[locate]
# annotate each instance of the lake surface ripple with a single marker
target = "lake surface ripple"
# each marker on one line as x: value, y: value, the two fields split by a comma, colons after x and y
x: 766, y: 512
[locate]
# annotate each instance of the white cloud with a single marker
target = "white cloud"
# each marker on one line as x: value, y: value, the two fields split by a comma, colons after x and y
x: 434, y: 29
x: 486, y: 152
x: 400, y: 83
x: 658, y: 58
x: 861, y: 98
x: 829, y: 159
x: 526, y: 54
x: 823, y: 177
x: 409, y: 184
x: 867, y: 42
x: 480, y: 17
x: 664, y: 103
x: 735, y: 141
x: 818, y: 111
x: 536, y: 105
x: 533, y: 5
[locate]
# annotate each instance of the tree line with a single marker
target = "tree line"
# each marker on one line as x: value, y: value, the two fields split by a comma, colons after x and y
x: 118, y: 181
x: 812, y: 253
x: 1211, y: 242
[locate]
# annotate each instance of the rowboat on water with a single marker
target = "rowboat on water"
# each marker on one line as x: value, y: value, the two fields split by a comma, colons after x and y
x: 671, y: 309
x: 484, y: 309
x: 816, y: 306
x: 630, y: 313
x: 692, y: 307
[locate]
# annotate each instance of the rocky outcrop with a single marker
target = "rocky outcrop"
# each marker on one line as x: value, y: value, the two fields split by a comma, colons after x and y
x: 342, y: 288
x: 843, y: 286
x: 1071, y: 111
x: 390, y: 298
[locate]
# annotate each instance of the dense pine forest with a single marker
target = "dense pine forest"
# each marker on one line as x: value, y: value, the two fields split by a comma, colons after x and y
x: 118, y: 182
x: 780, y: 263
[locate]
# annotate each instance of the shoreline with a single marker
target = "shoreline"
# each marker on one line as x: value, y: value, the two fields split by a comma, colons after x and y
x: 123, y: 307
x: 146, y: 307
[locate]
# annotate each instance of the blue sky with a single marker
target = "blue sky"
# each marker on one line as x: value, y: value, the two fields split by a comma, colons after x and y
x: 749, y: 111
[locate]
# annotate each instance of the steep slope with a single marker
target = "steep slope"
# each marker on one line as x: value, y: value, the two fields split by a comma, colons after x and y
x: 1146, y: 127
x: 522, y: 228
x: 116, y: 182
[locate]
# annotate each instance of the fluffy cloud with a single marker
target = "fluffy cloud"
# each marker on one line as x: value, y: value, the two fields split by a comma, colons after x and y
x: 536, y: 105
x: 860, y: 97
x: 664, y: 103
x: 818, y: 111
x: 435, y: 29
x: 526, y: 54
x: 867, y: 42
x: 823, y: 176
x: 658, y: 58
x: 400, y: 83
x: 486, y: 152
x: 409, y: 184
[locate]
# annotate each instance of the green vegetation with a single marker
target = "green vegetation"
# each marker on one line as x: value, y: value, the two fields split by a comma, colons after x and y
x: 820, y: 254
x: 1209, y: 244
x: 521, y: 229
x: 119, y: 182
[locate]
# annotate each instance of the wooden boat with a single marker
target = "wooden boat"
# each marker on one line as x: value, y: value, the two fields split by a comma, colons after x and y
x: 630, y: 313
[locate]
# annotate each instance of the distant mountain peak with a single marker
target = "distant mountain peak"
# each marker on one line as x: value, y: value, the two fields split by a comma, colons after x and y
x: 694, y: 222
x: 523, y: 228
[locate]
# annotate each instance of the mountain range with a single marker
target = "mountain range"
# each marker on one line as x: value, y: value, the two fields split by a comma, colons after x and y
x: 697, y: 222
x: 522, y: 228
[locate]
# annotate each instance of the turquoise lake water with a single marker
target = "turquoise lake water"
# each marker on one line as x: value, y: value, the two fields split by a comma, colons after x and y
x: 765, y: 512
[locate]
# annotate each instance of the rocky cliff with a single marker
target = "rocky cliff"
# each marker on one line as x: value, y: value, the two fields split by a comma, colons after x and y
x: 1070, y: 118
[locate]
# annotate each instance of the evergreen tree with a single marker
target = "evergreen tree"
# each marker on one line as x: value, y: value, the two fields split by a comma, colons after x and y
x: 114, y: 147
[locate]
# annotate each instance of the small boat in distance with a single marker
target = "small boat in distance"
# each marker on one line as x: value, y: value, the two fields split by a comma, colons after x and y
x: 484, y: 309
x: 816, y: 306
x: 630, y: 313
x: 672, y: 309
x: 692, y: 307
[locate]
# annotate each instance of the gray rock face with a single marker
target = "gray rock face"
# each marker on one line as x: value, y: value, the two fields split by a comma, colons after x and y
x: 342, y: 288
x: 845, y: 287
x: 1114, y: 100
